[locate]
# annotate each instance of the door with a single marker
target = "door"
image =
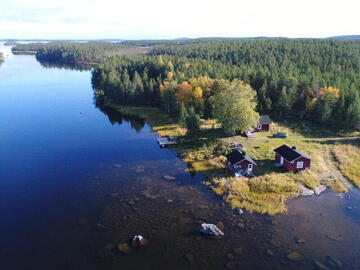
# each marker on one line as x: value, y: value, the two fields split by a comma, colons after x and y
x: 250, y: 167
x: 281, y: 160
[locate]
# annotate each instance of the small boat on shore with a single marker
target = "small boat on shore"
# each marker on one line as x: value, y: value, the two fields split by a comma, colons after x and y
x: 166, y: 140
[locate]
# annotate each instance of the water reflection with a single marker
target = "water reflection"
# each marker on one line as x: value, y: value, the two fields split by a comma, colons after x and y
x: 66, y: 66
x: 116, y: 117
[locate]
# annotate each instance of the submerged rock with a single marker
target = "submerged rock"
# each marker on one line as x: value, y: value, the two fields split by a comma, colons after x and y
x: 238, y: 250
x: 109, y: 246
x: 319, y: 189
x: 333, y: 262
x: 304, y: 191
x: 230, y: 256
x: 269, y: 252
x: 320, y: 265
x: 169, y: 177
x: 117, y: 165
x: 337, y: 238
x: 124, y: 248
x: 231, y: 265
x: 294, y: 256
x: 299, y: 240
x: 82, y: 221
x: 210, y: 229
x: 189, y: 257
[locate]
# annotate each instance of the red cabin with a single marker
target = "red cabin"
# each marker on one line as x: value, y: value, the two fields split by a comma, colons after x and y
x: 240, y: 164
x: 291, y: 159
x: 264, y: 123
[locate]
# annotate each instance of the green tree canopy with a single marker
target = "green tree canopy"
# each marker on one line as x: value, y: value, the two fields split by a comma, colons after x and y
x: 235, y: 107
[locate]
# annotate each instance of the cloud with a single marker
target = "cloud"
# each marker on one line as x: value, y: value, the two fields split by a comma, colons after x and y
x: 170, y: 19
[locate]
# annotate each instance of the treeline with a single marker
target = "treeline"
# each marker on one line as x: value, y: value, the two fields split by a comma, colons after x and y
x: 183, y: 87
x: 1, y: 58
x: 78, y: 53
x: 299, y: 78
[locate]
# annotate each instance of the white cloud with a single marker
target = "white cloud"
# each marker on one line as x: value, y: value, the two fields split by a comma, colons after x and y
x: 169, y: 19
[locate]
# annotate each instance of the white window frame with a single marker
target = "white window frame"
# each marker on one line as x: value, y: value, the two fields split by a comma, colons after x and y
x: 259, y: 126
x: 300, y: 165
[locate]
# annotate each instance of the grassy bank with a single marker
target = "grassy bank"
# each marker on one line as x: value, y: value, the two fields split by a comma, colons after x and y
x: 335, y: 160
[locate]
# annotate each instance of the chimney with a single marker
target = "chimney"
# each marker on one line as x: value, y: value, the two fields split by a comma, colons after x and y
x: 293, y: 147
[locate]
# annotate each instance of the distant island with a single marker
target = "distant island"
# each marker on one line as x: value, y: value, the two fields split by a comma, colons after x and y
x: 350, y: 37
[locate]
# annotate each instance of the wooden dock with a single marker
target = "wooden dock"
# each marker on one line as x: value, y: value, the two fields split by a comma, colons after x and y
x: 166, y: 140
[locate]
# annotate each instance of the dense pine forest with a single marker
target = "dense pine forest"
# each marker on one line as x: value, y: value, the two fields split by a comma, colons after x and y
x: 318, y: 80
x: 312, y: 79
x: 77, y: 53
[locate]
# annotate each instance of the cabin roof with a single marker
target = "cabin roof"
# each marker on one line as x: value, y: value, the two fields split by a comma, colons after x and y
x: 237, y: 156
x: 289, y: 153
x: 265, y: 120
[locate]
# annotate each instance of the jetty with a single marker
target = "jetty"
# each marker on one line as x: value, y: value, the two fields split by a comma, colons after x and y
x: 166, y: 140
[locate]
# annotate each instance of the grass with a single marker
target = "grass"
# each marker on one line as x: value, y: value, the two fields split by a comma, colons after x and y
x: 348, y: 160
x: 268, y: 192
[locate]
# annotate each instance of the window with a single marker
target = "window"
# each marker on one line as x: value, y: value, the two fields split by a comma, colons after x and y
x: 299, y: 165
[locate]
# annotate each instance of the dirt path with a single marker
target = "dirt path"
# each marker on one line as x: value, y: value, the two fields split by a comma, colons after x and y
x: 334, y: 170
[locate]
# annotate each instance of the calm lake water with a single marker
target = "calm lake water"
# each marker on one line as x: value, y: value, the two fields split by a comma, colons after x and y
x: 77, y: 181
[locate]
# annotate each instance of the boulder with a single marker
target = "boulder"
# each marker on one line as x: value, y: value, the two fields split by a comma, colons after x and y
x: 240, y: 211
x: 319, y: 189
x: 138, y: 240
x: 210, y: 229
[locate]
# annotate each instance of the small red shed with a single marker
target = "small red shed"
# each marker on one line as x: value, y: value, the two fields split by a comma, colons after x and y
x: 240, y: 164
x: 292, y: 159
x: 264, y: 123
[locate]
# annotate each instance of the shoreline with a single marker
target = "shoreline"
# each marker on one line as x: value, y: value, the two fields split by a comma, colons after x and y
x: 266, y: 193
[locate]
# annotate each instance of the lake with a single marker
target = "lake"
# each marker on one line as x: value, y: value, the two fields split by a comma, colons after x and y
x: 76, y: 181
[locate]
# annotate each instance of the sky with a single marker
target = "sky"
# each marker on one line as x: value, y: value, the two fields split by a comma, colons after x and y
x: 158, y: 19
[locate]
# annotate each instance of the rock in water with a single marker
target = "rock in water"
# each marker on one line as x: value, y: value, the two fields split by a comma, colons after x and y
x: 138, y: 240
x: 319, y: 189
x: 210, y: 229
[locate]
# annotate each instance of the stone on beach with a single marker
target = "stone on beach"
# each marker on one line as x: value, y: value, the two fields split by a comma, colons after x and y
x: 304, y: 191
x: 210, y: 229
x: 319, y: 189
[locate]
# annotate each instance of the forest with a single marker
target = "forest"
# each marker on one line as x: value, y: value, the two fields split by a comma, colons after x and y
x: 1, y: 58
x: 70, y: 53
x: 312, y: 79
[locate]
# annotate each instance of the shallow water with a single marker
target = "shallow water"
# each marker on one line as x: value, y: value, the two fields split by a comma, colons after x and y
x: 76, y: 181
